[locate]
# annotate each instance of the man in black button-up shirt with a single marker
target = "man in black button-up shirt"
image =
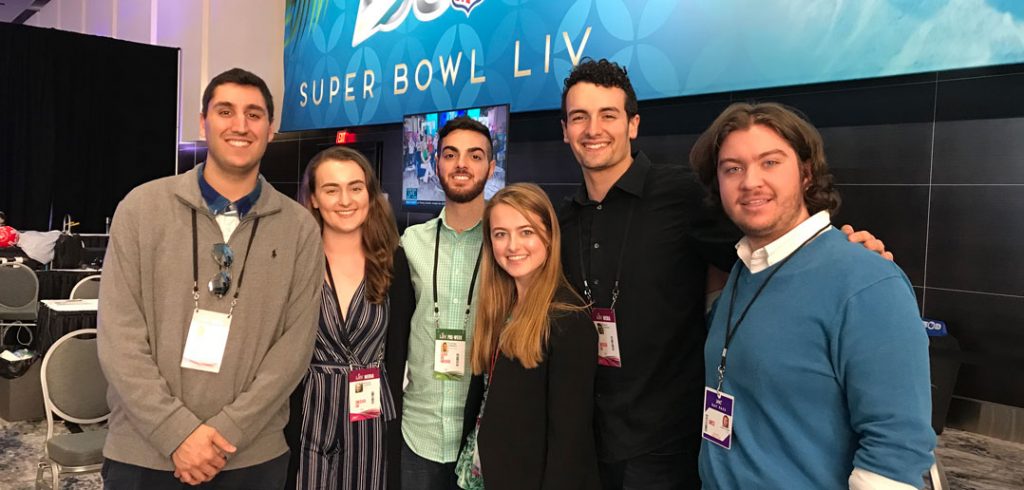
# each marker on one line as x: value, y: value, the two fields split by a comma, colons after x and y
x: 645, y: 226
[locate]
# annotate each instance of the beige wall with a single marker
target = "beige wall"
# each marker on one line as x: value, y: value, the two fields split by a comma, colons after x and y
x: 214, y: 35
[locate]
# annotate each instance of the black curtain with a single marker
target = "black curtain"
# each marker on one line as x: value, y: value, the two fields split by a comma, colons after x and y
x: 83, y: 120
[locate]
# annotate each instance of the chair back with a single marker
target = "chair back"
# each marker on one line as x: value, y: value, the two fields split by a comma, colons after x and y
x: 19, y: 293
x: 73, y: 383
x: 87, y: 288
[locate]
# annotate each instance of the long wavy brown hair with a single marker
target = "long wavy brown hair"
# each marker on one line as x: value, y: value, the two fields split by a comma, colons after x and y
x: 519, y: 327
x: 792, y: 126
x: 380, y: 234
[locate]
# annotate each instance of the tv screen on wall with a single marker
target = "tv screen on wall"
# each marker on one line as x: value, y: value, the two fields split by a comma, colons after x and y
x: 421, y: 188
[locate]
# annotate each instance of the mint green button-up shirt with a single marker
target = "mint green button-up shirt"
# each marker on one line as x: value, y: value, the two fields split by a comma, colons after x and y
x: 432, y: 413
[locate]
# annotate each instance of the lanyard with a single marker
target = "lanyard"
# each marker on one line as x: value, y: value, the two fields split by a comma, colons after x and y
x: 494, y: 360
x: 472, y: 281
x: 622, y: 256
x: 494, y: 356
x: 731, y: 328
x: 344, y: 323
x: 195, y: 263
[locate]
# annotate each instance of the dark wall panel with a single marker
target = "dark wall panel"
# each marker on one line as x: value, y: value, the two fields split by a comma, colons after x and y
x: 895, y: 214
x: 309, y: 147
x: 543, y: 162
x: 667, y: 149
x: 979, y: 151
x: 903, y: 100
x: 688, y: 116
x: 984, y: 97
x: 535, y: 126
x: 975, y: 239
x: 879, y: 154
x: 988, y: 328
x: 280, y: 162
x: 289, y: 189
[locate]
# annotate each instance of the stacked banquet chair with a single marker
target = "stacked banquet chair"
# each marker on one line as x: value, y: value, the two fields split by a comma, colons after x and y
x: 19, y: 300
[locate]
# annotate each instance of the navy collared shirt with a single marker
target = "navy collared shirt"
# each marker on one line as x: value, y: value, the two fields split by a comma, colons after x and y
x: 219, y: 204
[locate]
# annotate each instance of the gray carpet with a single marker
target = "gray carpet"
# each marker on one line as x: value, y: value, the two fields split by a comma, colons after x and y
x: 977, y: 462
x: 21, y: 447
x: 972, y: 461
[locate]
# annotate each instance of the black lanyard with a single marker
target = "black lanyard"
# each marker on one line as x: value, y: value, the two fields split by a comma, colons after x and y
x: 472, y: 281
x: 350, y: 352
x: 622, y: 257
x: 195, y: 263
x: 731, y: 328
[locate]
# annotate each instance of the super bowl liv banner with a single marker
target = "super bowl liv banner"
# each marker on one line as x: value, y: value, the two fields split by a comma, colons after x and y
x: 356, y: 62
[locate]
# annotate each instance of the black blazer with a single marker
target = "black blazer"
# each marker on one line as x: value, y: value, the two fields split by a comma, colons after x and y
x: 537, y: 430
x: 402, y: 303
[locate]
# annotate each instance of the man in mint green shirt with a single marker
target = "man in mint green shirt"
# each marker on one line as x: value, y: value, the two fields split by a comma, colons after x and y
x: 444, y: 258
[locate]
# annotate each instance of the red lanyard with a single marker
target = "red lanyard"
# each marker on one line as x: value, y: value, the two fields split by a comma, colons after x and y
x: 494, y: 360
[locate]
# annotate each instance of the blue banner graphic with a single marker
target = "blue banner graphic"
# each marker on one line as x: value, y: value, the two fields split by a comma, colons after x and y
x: 357, y: 62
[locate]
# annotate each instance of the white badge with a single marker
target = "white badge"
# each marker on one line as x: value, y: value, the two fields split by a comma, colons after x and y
x: 718, y: 417
x: 607, y: 337
x: 207, y: 338
x: 363, y: 394
x: 449, y: 354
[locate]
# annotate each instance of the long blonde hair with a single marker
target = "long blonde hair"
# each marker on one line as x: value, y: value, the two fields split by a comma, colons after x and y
x: 519, y: 327
x: 380, y: 234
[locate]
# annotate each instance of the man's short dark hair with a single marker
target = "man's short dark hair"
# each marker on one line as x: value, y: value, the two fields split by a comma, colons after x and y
x: 239, y: 76
x: 468, y: 124
x: 790, y: 125
x: 603, y: 73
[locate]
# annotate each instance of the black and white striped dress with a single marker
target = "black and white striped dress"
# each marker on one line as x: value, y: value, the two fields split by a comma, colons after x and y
x: 336, y: 453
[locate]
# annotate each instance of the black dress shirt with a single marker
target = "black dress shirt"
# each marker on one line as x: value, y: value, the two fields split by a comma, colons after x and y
x: 659, y: 214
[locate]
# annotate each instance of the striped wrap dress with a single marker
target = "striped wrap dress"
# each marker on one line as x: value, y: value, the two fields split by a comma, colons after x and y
x: 337, y: 453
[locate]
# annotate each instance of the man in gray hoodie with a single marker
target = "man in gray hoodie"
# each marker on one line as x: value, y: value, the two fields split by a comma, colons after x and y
x: 200, y: 369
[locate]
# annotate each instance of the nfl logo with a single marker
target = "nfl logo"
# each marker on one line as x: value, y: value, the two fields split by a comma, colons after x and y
x: 466, y: 6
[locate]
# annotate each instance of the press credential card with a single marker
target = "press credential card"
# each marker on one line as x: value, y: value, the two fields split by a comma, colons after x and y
x: 363, y: 394
x: 207, y: 338
x: 718, y: 417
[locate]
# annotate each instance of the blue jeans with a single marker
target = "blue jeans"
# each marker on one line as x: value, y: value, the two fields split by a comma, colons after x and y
x: 264, y: 476
x: 419, y: 473
x: 670, y: 467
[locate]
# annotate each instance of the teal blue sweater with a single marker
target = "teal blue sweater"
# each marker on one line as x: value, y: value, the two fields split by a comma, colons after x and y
x: 829, y: 370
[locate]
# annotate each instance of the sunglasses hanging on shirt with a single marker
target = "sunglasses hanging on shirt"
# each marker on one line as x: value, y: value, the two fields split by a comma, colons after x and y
x: 221, y: 283
x: 224, y: 256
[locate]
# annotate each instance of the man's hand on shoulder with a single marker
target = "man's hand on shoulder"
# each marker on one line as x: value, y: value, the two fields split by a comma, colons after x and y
x: 201, y: 456
x: 869, y: 241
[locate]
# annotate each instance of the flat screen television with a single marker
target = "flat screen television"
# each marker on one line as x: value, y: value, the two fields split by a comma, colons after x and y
x: 421, y: 188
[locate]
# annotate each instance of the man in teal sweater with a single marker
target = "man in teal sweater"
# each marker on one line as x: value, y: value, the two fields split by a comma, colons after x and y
x: 816, y: 362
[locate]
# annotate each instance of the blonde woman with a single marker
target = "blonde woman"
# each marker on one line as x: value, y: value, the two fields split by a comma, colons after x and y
x: 537, y: 351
